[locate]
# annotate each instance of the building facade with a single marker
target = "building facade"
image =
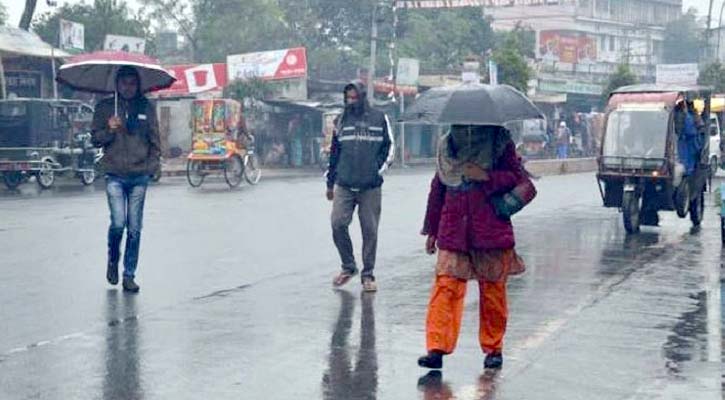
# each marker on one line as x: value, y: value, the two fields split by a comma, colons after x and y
x: 579, y: 43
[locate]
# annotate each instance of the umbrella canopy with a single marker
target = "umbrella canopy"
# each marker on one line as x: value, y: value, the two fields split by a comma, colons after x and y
x: 472, y: 104
x: 96, y: 72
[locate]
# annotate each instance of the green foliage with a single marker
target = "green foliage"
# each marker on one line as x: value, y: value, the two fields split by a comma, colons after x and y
x: 253, y: 89
x: 441, y: 39
x: 713, y: 74
x: 99, y: 19
x: 512, y: 67
x: 684, y: 40
x: 623, y: 76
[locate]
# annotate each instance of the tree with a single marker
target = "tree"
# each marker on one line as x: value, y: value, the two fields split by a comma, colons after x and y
x: 623, y: 76
x: 3, y: 14
x: 28, y: 12
x: 441, y: 39
x: 101, y: 18
x: 179, y: 12
x: 683, y: 39
x: 512, y: 67
x: 713, y: 74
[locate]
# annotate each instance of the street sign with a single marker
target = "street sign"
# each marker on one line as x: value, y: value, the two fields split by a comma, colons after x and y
x: 677, y: 74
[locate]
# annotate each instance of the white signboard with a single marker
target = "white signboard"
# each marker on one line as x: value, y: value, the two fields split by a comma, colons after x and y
x: 677, y: 74
x: 125, y: 43
x: 268, y: 65
x: 71, y: 35
x: 408, y: 71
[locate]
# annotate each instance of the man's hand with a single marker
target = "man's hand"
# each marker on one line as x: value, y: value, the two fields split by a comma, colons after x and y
x: 330, y: 194
x: 114, y: 123
x: 475, y: 173
x: 430, y: 244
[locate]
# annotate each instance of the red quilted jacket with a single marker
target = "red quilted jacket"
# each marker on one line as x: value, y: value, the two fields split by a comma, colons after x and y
x: 463, y: 218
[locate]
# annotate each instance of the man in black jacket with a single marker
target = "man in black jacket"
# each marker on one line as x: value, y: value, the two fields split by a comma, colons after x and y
x: 127, y: 130
x: 362, y: 149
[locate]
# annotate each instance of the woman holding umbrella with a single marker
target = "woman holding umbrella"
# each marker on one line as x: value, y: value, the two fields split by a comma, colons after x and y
x: 125, y: 127
x: 478, y: 185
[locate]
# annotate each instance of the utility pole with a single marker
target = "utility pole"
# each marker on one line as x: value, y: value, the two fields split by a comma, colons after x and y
x: 708, y: 31
x: 373, y: 50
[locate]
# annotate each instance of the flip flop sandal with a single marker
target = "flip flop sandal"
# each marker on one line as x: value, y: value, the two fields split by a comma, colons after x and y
x: 342, y: 279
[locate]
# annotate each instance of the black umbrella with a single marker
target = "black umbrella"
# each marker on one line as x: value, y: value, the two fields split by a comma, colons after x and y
x: 471, y: 104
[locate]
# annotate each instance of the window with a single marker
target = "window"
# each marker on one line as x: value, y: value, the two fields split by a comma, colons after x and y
x: 612, y: 46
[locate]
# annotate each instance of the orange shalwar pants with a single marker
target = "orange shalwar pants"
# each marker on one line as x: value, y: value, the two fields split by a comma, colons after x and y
x: 445, y: 311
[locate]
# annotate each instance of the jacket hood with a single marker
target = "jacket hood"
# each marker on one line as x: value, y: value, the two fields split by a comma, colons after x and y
x: 362, y: 92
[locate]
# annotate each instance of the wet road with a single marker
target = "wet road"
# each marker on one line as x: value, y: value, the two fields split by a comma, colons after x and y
x: 236, y: 301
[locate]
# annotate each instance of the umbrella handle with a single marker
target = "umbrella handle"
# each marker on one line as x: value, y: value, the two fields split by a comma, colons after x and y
x: 115, y: 103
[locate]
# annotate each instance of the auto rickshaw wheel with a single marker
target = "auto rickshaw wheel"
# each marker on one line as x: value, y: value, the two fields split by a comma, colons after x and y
x: 88, y: 177
x: 12, y: 179
x: 252, y: 169
x: 697, y: 209
x: 46, y: 175
x: 193, y: 173
x: 631, y: 207
x: 682, y: 198
x: 233, y: 170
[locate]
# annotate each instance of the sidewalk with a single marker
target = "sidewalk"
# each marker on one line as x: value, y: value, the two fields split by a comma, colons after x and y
x: 177, y: 167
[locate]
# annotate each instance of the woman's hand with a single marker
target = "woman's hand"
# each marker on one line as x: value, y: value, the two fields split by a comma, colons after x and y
x: 430, y: 244
x: 474, y: 173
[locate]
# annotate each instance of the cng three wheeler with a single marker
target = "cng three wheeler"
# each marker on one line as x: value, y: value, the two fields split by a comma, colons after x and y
x: 44, y: 137
x: 643, y: 167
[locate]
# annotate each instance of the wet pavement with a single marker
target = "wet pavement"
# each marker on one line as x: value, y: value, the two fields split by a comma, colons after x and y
x: 236, y: 301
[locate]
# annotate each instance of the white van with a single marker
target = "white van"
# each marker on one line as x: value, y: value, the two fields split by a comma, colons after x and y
x: 715, y: 139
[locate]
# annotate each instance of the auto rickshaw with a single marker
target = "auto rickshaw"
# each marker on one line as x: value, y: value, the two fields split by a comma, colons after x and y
x: 221, y: 144
x: 641, y: 171
x: 43, y: 138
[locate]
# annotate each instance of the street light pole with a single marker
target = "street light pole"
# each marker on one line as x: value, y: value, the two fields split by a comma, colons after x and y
x: 708, y: 31
x: 373, y: 51
x: 719, y: 31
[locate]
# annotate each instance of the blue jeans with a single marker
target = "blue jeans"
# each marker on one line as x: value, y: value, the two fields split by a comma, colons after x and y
x: 562, y: 151
x: 125, y: 200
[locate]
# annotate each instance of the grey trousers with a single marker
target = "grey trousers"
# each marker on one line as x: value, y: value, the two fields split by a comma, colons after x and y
x: 343, y: 207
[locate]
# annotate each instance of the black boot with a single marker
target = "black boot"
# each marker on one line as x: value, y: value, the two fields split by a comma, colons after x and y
x: 433, y: 360
x: 112, y: 273
x: 493, y: 361
x: 129, y: 285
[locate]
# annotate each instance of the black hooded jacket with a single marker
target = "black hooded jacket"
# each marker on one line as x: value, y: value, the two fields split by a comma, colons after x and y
x: 362, y: 145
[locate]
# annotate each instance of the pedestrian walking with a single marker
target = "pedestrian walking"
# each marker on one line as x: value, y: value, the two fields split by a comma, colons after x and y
x: 478, y: 185
x: 563, y: 137
x: 126, y: 128
x: 361, y: 151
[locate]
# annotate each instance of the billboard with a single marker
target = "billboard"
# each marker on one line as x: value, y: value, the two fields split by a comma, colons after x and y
x: 677, y: 74
x: 268, y: 65
x: 72, y: 35
x: 192, y: 79
x: 566, y: 47
x: 125, y: 43
x: 408, y: 71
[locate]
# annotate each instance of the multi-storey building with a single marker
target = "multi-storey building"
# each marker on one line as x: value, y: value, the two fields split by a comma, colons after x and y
x: 579, y: 43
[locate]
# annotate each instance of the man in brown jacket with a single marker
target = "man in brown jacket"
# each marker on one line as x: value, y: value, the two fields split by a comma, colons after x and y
x: 126, y: 128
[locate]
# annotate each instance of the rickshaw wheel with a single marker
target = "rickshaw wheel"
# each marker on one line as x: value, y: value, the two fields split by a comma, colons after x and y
x: 233, y: 170
x: 46, y: 176
x: 682, y: 199
x: 697, y: 209
x: 631, y: 207
x: 88, y: 177
x: 252, y: 169
x: 193, y: 173
x: 12, y: 179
